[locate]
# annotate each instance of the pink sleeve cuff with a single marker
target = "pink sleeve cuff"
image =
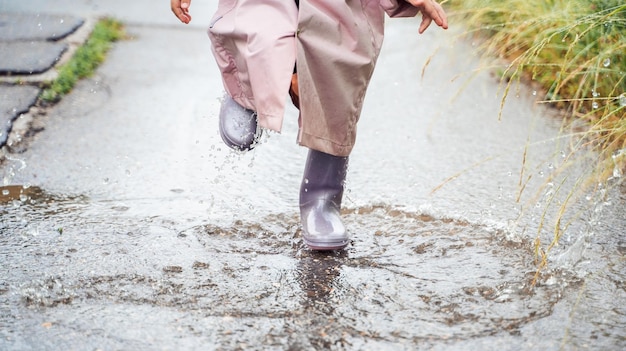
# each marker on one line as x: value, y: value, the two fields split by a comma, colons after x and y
x: 398, y: 8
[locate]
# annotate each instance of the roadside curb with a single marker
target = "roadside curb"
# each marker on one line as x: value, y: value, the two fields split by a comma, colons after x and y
x: 19, y: 88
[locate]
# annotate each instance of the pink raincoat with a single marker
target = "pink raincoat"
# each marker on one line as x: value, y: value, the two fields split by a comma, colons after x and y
x: 334, y: 44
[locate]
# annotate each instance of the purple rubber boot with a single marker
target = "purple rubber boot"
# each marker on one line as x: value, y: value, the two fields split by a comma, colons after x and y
x: 320, y: 201
x: 238, y: 125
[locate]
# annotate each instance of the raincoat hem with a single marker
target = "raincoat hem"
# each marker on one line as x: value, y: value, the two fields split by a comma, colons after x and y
x: 324, y: 145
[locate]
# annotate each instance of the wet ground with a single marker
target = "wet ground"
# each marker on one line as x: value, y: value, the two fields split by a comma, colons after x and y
x: 126, y: 224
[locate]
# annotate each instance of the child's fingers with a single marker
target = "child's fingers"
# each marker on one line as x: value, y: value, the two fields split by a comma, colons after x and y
x: 181, y: 10
x: 183, y: 17
x: 441, y: 19
x: 432, y: 11
x: 185, y: 4
x: 426, y: 21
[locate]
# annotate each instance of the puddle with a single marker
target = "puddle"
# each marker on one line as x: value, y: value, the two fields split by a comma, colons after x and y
x: 11, y: 193
x: 406, y: 279
x: 36, y: 198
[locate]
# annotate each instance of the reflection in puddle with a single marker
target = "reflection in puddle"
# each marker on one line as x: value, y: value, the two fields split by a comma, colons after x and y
x: 318, y: 272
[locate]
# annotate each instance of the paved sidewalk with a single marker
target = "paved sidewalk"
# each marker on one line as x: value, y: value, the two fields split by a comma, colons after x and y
x: 31, y: 46
x: 38, y: 35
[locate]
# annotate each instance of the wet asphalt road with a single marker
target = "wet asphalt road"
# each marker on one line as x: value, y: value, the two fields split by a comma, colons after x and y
x: 138, y: 229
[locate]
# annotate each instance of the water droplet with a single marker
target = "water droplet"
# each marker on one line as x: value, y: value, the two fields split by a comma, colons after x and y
x: 606, y: 62
x: 595, y: 105
x: 534, y: 92
x: 23, y: 198
x: 306, y: 181
x: 61, y: 21
x: 5, y: 192
x: 622, y: 100
x: 594, y: 93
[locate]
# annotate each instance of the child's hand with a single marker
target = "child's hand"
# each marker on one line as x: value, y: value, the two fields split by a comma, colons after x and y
x: 431, y: 11
x: 181, y: 9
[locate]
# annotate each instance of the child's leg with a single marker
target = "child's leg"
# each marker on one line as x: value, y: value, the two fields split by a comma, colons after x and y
x: 338, y: 43
x: 253, y: 42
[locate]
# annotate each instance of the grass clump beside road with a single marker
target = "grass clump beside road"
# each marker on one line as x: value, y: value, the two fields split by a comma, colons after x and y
x: 85, y: 60
x: 576, y: 52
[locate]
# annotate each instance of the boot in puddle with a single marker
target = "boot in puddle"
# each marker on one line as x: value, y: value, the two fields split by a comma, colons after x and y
x: 238, y: 125
x: 321, y: 192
